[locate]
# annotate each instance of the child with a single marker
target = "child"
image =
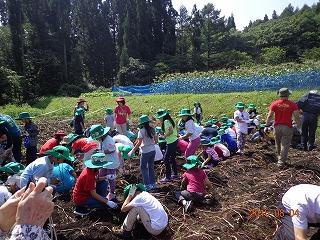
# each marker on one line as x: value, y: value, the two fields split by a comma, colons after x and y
x: 52, y: 142
x: 108, y: 147
x: 84, y: 146
x: 195, y: 181
x: 81, y: 103
x: 79, y: 121
x: 228, y: 140
x: 122, y: 113
x: 209, y: 156
x: 197, y: 112
x: 210, y: 130
x: 109, y: 119
x: 169, y: 130
x: 13, y: 171
x: 146, y: 139
x: 5, y: 150
x: 65, y: 177
x: 241, y: 117
x: 192, y: 132
x: 222, y: 150
x: 30, y: 138
x: 252, y: 110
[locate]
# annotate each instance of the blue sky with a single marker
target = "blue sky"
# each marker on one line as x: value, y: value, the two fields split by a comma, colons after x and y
x: 244, y: 10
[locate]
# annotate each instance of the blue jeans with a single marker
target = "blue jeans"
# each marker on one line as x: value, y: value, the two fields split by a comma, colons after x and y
x: 147, y: 167
x: 101, y: 189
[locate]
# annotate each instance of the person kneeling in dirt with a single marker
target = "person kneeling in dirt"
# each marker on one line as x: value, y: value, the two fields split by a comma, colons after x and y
x: 88, y: 192
x: 196, y: 181
x: 301, y: 205
x: 141, y: 204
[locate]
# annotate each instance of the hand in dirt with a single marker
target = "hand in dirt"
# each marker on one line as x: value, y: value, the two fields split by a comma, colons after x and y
x: 36, y: 204
x: 8, y: 211
x: 112, y: 204
x: 132, y: 190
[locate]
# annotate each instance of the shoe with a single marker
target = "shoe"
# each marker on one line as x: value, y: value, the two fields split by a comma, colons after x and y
x: 165, y: 180
x: 281, y: 164
x: 81, y: 211
x: 188, y: 206
x: 119, y: 232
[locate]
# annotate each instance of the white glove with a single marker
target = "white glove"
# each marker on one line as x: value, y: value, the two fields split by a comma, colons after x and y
x: 112, y: 204
x: 132, y: 190
x: 202, y: 165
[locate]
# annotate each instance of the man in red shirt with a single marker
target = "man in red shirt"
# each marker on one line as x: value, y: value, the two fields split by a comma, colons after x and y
x: 88, y: 192
x: 51, y: 143
x: 282, y: 110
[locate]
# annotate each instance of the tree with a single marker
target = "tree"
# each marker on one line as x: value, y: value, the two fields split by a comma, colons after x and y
x: 273, y: 55
x: 169, y: 24
x: 195, y: 27
x: 182, y: 31
x: 3, y: 12
x: 230, y: 23
x: 266, y: 18
x: 288, y: 11
x: 274, y: 14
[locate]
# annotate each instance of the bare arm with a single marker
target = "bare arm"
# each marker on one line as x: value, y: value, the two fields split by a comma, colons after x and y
x: 138, y: 144
x: 125, y: 206
x: 269, y: 118
x: 207, y: 160
x: 300, y: 233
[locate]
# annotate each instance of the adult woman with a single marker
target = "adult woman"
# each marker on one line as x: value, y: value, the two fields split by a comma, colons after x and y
x: 193, y: 132
x: 168, y: 127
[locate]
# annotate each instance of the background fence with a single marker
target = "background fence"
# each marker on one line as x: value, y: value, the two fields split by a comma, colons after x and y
x: 298, y: 80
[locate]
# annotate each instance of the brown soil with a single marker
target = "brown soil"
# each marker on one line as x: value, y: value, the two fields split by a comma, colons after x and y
x: 241, y: 184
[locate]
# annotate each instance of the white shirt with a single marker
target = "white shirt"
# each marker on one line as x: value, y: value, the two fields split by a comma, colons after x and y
x: 4, y: 195
x: 109, y: 145
x: 158, y: 216
x: 123, y: 139
x: 159, y: 155
x: 193, y: 128
x: 231, y: 132
x: 243, y: 126
x: 306, y: 199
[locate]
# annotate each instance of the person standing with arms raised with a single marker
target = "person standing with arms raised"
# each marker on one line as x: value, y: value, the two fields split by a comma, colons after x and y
x: 282, y: 111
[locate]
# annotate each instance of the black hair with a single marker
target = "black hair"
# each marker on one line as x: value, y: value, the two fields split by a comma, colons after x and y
x: 189, y: 118
x: 167, y: 117
x: 150, y: 130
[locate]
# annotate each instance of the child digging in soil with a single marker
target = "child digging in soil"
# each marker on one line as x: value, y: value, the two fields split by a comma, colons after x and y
x: 209, y: 156
x: 195, y: 181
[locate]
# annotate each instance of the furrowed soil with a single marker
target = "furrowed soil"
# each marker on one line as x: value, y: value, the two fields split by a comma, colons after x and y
x: 241, y: 185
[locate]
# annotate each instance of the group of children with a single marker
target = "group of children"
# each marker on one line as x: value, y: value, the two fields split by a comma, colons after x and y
x: 88, y: 165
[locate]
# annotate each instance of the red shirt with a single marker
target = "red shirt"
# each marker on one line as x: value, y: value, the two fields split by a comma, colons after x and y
x: 84, y: 146
x: 51, y: 143
x: 121, y: 114
x: 219, y: 152
x: 86, y: 182
x: 283, y: 110
x: 195, y: 180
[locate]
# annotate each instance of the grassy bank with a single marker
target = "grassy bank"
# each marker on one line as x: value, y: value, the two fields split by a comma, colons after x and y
x: 213, y: 104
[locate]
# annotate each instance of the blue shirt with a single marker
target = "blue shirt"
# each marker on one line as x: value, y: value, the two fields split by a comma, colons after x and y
x: 41, y: 167
x: 63, y: 173
x: 232, y: 144
x: 11, y: 125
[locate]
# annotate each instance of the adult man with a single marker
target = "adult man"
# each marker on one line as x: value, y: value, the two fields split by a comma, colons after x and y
x: 282, y: 110
x: 302, y: 210
x: 43, y: 167
x: 15, y: 135
x: 310, y: 105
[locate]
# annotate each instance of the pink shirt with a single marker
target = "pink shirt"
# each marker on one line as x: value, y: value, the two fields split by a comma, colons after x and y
x: 214, y: 155
x: 121, y: 114
x: 195, y: 180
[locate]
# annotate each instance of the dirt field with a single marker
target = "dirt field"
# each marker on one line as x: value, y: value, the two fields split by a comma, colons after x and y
x: 242, y: 184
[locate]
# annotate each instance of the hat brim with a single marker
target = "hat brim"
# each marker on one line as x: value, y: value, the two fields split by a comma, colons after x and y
x: 7, y: 170
x: 184, y: 114
x: 59, y: 156
x: 105, y: 132
x: 215, y: 142
x: 24, y: 118
x: 189, y: 166
x: 160, y: 116
x: 89, y: 164
x: 141, y: 124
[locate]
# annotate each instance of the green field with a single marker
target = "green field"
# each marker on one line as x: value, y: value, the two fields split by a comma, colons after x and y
x: 213, y: 104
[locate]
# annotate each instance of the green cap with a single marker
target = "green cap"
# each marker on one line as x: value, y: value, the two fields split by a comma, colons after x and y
x: 206, y: 142
x: 240, y: 105
x: 221, y: 132
x: 24, y: 115
x: 60, y: 152
x: 192, y: 162
x: 140, y: 187
x: 143, y: 119
x: 97, y: 131
x: 161, y: 113
x: 215, y: 140
x: 224, y: 119
x: 98, y: 160
x: 251, y: 106
x: 185, y: 112
x: 69, y: 139
x: 12, y: 168
x: 109, y: 111
x: 158, y: 130
x: 125, y: 149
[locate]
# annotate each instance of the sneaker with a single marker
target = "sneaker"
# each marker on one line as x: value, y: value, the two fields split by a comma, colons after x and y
x: 119, y: 232
x: 188, y: 206
x: 81, y: 211
x: 165, y: 180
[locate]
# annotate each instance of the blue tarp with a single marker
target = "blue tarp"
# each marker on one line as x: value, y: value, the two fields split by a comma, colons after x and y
x: 298, y: 80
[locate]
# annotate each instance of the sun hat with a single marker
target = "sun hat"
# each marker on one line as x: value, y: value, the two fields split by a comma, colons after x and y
x: 80, y: 100
x: 79, y: 111
x: 109, y: 111
x: 221, y: 132
x: 125, y: 149
x: 251, y: 106
x: 224, y: 119
x: 208, y: 123
x: 143, y: 119
x: 120, y: 99
x: 98, y: 160
x: 161, y: 113
x: 206, y: 142
x: 215, y: 140
x: 97, y: 131
x: 12, y: 168
x: 284, y: 92
x: 131, y: 135
x: 162, y: 140
x: 60, y: 152
x: 185, y: 112
x: 24, y: 115
x: 230, y: 124
x: 192, y: 162
x: 60, y: 133
x: 240, y: 105
x: 70, y: 138
x: 140, y: 187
